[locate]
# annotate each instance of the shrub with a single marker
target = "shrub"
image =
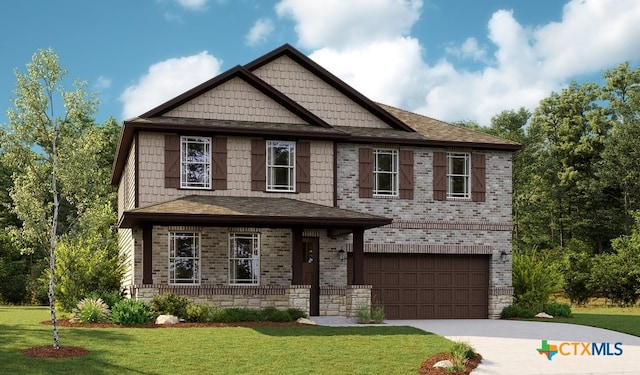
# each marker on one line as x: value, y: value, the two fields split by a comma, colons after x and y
x: 236, y: 314
x: 128, y: 312
x: 557, y: 309
x: 170, y: 304
x: 271, y: 314
x: 534, y: 279
x: 110, y: 297
x: 198, y: 313
x: 363, y: 313
x: 90, y: 310
x: 576, y: 271
x: 377, y: 314
x: 515, y: 311
x: 461, y: 351
x: 296, y: 313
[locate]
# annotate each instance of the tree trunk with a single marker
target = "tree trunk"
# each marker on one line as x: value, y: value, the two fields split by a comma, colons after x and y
x: 52, y: 249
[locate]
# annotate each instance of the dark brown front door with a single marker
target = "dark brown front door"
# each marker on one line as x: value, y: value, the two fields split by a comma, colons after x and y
x: 311, y: 272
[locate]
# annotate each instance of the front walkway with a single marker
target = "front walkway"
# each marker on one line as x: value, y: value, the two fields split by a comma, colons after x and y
x: 510, y: 347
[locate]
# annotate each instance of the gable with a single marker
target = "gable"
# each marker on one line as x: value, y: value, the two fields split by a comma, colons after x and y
x: 235, y: 100
x: 316, y: 95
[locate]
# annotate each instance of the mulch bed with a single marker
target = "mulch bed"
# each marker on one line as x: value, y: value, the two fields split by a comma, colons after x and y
x: 49, y: 352
x: 68, y: 323
x: 428, y: 369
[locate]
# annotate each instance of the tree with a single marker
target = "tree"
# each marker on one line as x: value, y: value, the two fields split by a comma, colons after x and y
x: 35, y: 144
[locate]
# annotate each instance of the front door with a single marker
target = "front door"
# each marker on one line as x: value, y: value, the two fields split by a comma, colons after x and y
x: 311, y: 272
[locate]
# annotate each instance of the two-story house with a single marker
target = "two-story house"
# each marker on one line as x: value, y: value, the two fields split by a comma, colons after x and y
x: 277, y: 184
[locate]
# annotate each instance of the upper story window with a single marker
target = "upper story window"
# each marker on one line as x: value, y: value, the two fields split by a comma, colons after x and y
x: 195, y: 162
x: 281, y: 161
x: 244, y: 258
x: 458, y: 175
x: 385, y: 172
x: 184, y: 258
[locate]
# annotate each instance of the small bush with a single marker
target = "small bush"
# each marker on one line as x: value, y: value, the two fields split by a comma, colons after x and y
x: 170, y: 304
x: 271, y: 314
x: 110, y: 298
x: 515, y: 311
x: 557, y: 309
x: 236, y: 314
x: 296, y: 313
x: 377, y: 314
x: 198, y: 313
x: 90, y: 310
x: 128, y: 312
x: 363, y: 313
x: 461, y: 351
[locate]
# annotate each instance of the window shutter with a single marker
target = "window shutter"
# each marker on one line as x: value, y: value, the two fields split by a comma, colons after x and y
x: 406, y: 174
x: 366, y: 173
x: 440, y: 176
x: 171, y: 161
x: 303, y: 167
x: 478, y: 177
x: 219, y: 163
x: 258, y: 165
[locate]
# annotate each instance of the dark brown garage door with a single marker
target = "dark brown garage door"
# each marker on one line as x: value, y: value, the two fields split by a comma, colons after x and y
x: 429, y: 286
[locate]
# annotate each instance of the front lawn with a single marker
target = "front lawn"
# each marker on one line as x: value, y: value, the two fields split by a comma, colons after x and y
x: 626, y: 320
x: 228, y: 350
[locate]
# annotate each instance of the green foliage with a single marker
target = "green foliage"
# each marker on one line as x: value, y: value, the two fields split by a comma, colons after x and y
x: 363, y: 313
x: 91, y: 310
x: 129, y: 312
x: 13, y: 272
x: 296, y: 313
x: 535, y: 278
x: 109, y: 297
x: 84, y: 266
x: 575, y: 268
x: 461, y: 351
x: 515, y: 311
x: 206, y: 313
x: 556, y: 309
x: 271, y: 314
x: 170, y: 304
x: 377, y: 314
x: 199, y: 313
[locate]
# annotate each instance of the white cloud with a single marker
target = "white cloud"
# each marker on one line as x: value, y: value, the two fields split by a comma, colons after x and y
x: 369, y: 45
x: 167, y: 79
x: 260, y: 31
x: 192, y: 4
x: 102, y: 83
x: 341, y: 24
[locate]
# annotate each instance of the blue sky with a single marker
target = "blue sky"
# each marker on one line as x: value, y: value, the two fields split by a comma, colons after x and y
x: 453, y: 60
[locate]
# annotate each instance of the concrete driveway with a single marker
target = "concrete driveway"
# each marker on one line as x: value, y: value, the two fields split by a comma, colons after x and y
x: 510, y: 347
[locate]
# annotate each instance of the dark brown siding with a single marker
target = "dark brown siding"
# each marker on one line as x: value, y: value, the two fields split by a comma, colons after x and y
x: 429, y: 286
x: 478, y: 177
x: 303, y: 167
x: 440, y: 176
x: 366, y: 173
x: 258, y: 165
x: 171, y: 161
x: 219, y: 161
x: 406, y: 174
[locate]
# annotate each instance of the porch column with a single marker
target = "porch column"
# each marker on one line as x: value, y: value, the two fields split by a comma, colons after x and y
x: 147, y: 254
x: 296, y: 256
x: 358, y: 256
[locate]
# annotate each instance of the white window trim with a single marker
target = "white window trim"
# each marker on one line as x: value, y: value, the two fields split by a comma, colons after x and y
x: 183, y: 141
x: 395, y: 173
x: 171, y: 259
x: 271, y: 187
x: 255, y: 258
x: 467, y: 176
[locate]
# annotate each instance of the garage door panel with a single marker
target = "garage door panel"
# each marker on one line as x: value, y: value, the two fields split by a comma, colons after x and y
x: 429, y: 286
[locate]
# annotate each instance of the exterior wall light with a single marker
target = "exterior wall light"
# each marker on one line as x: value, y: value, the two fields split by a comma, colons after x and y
x: 504, y: 256
x: 342, y: 254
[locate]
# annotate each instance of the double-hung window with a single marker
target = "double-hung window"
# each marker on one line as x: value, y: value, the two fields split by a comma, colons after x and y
x: 459, y: 175
x: 281, y: 161
x: 184, y: 258
x: 244, y: 258
x: 385, y: 172
x: 195, y: 162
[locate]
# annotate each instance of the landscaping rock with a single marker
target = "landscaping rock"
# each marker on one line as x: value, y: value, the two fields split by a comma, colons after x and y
x: 544, y: 315
x: 306, y: 321
x: 167, y: 319
x: 443, y: 364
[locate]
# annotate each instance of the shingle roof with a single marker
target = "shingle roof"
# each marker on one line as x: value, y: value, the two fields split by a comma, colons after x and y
x: 249, y: 211
x: 436, y: 130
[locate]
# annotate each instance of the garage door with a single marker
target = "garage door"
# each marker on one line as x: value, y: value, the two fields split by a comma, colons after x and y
x: 429, y: 286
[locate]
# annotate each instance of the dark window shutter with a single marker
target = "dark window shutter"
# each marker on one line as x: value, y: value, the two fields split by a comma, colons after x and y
x: 478, y: 177
x: 258, y: 165
x: 366, y: 172
x: 219, y: 163
x: 440, y: 176
x: 303, y: 167
x: 171, y: 161
x: 406, y: 174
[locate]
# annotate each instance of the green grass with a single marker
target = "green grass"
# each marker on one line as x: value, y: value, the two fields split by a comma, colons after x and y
x: 621, y: 319
x: 229, y: 350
